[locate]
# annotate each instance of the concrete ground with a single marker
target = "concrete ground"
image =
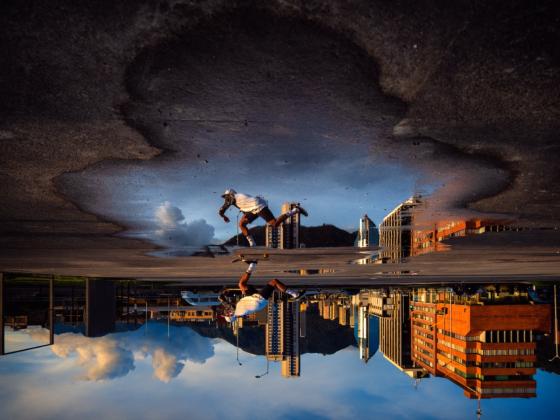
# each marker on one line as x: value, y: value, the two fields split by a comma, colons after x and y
x: 504, y: 256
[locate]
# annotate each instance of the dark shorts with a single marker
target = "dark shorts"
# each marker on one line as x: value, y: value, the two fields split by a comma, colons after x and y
x: 265, y: 213
x: 265, y: 292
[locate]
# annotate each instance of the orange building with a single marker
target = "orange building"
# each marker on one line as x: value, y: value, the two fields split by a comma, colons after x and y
x: 428, y: 239
x: 488, y: 350
x: 193, y: 314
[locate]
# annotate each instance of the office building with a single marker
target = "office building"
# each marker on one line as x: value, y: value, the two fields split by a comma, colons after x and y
x: 368, y: 234
x: 274, y: 339
x: 488, y: 349
x: 394, y: 332
x: 285, y: 236
x: 395, y: 231
x: 283, y: 331
x: 291, y: 359
x: 193, y: 314
x: 366, y: 333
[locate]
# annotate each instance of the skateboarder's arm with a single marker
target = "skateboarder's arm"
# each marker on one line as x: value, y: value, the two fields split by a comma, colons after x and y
x: 228, y: 201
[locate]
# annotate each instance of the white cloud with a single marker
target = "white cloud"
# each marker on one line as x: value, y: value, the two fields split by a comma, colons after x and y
x: 114, y: 355
x: 174, y: 231
x: 100, y: 358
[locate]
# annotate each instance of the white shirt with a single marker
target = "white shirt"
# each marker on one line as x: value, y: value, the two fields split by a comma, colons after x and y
x: 250, y: 304
x: 249, y: 204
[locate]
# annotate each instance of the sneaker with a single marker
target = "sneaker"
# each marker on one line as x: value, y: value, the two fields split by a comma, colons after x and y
x: 302, y: 210
x: 241, y: 257
x: 295, y: 294
x: 237, y: 258
x: 251, y: 241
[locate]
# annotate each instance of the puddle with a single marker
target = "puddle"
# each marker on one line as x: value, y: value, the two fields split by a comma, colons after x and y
x: 308, y: 123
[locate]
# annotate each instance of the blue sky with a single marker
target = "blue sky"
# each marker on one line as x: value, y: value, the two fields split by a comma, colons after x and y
x: 49, y: 383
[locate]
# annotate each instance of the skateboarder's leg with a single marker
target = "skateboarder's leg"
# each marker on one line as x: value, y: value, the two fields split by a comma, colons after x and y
x: 267, y: 215
x: 278, y: 285
x: 243, y: 222
x: 245, y: 278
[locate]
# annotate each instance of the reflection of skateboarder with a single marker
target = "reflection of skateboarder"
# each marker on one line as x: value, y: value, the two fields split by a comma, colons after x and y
x: 252, y: 208
x: 254, y: 300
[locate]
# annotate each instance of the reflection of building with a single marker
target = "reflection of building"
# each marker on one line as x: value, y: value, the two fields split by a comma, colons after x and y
x: 192, y: 314
x: 368, y: 234
x: 100, y: 310
x: 328, y: 309
x: 274, y: 340
x: 343, y: 316
x: 394, y: 336
x: 291, y: 360
x: 303, y: 319
x: 428, y: 239
x: 283, y: 331
x: 488, y: 349
x: 366, y: 332
x: 25, y: 304
x: 395, y: 231
x: 285, y: 236
x: 379, y: 304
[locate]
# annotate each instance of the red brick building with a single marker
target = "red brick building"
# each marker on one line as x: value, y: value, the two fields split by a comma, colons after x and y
x: 489, y: 350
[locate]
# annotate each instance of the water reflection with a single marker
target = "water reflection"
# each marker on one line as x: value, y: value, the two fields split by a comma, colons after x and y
x: 409, y: 230
x: 487, y: 339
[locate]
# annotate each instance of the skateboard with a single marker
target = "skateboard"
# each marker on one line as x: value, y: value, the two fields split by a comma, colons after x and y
x: 251, y: 257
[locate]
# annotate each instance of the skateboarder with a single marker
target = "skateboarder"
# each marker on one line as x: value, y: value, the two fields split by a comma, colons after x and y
x: 254, y: 300
x: 252, y: 208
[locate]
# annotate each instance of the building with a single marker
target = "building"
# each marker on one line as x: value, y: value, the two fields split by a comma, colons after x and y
x: 303, y: 319
x: 366, y: 333
x: 291, y: 360
x: 368, y: 234
x: 283, y: 331
x: 427, y: 239
x: 379, y: 303
x: 274, y: 332
x: 395, y: 336
x: 285, y: 236
x: 343, y: 315
x: 193, y: 314
x: 487, y: 348
x: 272, y: 236
x: 395, y: 231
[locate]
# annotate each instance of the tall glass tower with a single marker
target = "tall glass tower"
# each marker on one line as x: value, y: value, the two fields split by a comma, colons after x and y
x: 368, y: 234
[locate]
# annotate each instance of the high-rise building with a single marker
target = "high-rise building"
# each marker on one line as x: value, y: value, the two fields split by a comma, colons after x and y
x: 101, y: 300
x: 427, y: 238
x: 283, y: 333
x: 285, y: 236
x: 303, y: 320
x: 368, y: 234
x: 394, y: 336
x: 291, y: 359
x: 272, y: 236
x: 379, y: 303
x: 343, y: 315
x: 488, y: 349
x: 274, y: 329
x: 366, y: 332
x: 289, y: 233
x: 395, y: 231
